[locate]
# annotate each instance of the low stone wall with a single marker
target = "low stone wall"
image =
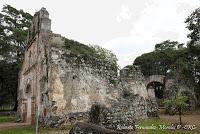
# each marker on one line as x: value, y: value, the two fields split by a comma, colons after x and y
x: 65, y: 119
x: 152, y: 108
x: 121, y: 115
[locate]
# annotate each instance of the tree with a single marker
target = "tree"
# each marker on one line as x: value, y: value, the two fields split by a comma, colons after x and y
x: 152, y: 63
x: 165, y: 45
x: 105, y: 54
x: 93, y: 51
x: 178, y: 104
x: 14, y: 26
x: 162, y: 58
x: 193, y: 25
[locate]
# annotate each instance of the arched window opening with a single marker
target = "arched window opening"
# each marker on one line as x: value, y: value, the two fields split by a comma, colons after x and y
x: 28, y: 90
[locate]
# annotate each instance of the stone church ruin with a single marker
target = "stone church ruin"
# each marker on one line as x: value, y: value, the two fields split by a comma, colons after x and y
x: 59, y: 86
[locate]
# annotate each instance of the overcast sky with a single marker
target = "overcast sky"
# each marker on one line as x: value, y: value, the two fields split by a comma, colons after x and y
x: 127, y: 27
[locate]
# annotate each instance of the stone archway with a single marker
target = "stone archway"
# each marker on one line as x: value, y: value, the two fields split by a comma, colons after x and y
x: 156, y: 91
x: 155, y: 85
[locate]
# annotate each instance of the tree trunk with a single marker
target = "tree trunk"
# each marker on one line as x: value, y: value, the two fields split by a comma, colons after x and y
x: 179, y: 112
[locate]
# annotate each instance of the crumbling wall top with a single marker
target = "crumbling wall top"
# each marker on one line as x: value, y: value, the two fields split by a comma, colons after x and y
x: 40, y: 22
x: 43, y: 13
x: 131, y: 72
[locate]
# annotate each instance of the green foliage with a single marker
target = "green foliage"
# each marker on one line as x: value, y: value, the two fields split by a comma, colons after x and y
x: 166, y: 45
x: 169, y: 109
x: 153, y: 122
x: 79, y: 48
x: 8, y: 82
x: 162, y: 59
x: 4, y: 119
x: 177, y: 104
x: 13, y: 31
x: 105, y: 54
x: 26, y: 130
x: 91, y: 51
x: 31, y: 130
x: 153, y: 63
x: 193, y: 25
x: 167, y: 59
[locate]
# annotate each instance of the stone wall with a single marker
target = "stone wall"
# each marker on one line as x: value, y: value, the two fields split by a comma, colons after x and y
x: 122, y: 114
x: 181, y: 86
x: 76, y: 82
x: 133, y: 80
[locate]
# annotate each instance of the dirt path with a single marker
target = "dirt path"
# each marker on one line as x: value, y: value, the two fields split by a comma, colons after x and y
x: 13, y: 125
x: 187, y: 119
x: 190, y: 118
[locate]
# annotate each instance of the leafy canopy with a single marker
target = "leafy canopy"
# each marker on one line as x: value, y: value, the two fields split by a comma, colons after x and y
x: 193, y: 25
x: 91, y: 51
x: 14, y: 26
x: 178, y: 102
x: 13, y: 32
x: 162, y: 59
x: 166, y: 45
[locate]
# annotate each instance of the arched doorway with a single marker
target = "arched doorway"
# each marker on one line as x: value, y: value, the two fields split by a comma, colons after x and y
x: 156, y: 91
x: 28, y: 105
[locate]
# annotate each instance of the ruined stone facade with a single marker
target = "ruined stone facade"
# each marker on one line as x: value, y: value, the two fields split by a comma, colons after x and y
x: 56, y: 84
x: 34, y: 69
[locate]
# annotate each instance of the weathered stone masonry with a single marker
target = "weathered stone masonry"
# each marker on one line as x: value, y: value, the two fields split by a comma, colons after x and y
x: 59, y: 83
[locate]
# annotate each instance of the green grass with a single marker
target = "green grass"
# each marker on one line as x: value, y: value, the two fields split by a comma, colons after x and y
x: 27, y: 130
x: 31, y: 130
x: 157, y: 126
x: 4, y: 119
x: 143, y: 123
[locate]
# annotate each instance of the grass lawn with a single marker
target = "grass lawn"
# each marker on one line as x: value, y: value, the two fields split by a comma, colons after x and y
x: 4, y: 119
x: 155, y: 126
x: 31, y: 130
x: 27, y: 130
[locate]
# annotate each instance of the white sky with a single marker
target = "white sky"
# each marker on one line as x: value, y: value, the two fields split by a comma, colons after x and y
x: 127, y: 27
